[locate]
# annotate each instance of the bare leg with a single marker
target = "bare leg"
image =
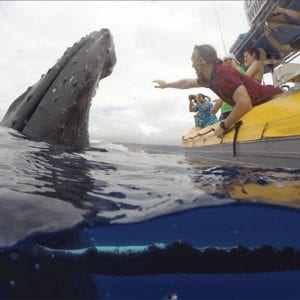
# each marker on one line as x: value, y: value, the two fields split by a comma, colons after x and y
x: 278, y: 19
x: 273, y: 25
x: 294, y: 14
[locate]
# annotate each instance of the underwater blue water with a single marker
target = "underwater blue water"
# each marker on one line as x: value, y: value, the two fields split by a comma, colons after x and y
x: 137, y: 195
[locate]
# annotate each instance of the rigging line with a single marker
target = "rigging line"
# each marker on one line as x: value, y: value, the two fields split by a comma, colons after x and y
x: 221, y: 33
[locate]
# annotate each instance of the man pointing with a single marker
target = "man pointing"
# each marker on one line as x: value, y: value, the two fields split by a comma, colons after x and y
x: 238, y: 90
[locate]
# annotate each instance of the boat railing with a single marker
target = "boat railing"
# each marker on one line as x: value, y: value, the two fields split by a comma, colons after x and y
x: 287, y: 72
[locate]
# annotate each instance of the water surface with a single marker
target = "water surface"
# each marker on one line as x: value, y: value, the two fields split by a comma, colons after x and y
x: 73, y: 221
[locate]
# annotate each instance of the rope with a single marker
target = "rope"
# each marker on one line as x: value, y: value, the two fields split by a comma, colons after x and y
x: 221, y: 33
x: 236, y: 127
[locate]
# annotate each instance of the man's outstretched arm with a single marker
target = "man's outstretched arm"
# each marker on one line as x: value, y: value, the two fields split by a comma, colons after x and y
x: 180, y: 84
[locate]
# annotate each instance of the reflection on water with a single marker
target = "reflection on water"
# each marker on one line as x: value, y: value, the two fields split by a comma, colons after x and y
x: 267, y: 185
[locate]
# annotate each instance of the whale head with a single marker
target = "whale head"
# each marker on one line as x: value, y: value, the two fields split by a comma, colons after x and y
x: 56, y: 108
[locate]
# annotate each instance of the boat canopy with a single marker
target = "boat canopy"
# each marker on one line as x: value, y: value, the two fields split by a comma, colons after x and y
x: 259, y: 12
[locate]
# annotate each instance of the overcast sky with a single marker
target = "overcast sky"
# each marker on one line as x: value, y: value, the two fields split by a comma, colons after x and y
x: 153, y: 40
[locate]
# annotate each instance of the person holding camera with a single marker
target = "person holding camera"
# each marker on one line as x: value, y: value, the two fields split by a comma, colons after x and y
x: 202, y: 106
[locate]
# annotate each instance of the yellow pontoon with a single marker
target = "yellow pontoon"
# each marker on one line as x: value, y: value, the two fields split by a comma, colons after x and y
x: 269, y: 134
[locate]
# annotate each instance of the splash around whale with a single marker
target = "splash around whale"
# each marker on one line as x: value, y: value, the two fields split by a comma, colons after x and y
x: 56, y: 108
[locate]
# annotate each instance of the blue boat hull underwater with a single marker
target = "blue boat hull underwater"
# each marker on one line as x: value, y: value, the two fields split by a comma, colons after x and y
x: 98, y: 247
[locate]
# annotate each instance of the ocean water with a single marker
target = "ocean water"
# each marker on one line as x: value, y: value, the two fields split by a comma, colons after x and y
x: 60, y: 205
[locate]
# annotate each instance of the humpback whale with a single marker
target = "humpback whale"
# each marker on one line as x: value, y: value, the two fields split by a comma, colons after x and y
x: 56, y: 108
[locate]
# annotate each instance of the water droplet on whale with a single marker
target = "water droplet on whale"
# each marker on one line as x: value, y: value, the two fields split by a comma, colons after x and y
x: 12, y: 283
x: 37, y: 267
x: 173, y: 297
x: 14, y: 256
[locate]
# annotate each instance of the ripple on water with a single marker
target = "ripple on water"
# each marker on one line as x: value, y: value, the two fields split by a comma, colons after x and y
x: 56, y: 188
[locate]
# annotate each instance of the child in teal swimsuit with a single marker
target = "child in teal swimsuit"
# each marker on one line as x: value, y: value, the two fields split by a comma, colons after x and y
x: 202, y: 106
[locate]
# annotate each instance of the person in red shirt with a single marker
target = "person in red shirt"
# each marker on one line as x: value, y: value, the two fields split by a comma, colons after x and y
x: 238, y: 90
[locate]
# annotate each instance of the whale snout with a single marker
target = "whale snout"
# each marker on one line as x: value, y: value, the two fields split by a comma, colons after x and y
x: 102, y: 54
x: 105, y: 32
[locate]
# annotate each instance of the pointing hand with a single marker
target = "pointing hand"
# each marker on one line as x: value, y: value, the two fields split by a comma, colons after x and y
x: 161, y: 84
